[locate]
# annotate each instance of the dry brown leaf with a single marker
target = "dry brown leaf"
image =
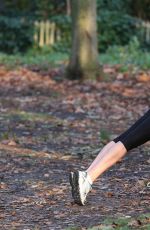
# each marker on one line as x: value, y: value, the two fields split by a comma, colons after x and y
x: 143, y: 77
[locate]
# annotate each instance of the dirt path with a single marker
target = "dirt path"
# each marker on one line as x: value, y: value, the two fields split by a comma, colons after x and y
x: 35, y: 192
x: 48, y: 129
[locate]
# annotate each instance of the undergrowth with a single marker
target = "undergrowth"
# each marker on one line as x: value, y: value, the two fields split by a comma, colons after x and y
x: 128, y: 57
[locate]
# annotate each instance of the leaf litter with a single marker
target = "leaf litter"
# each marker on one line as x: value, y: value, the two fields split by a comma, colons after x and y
x: 49, y: 128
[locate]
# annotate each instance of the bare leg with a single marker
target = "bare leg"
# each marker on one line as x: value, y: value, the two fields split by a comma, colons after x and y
x: 106, y: 159
x: 101, y: 154
x: 136, y: 135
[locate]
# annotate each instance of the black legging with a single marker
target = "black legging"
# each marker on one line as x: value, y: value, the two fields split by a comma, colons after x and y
x: 137, y: 134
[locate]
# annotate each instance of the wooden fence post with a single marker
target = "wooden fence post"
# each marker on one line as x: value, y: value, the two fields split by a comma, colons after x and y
x: 41, y: 39
x: 147, y: 32
x: 46, y: 33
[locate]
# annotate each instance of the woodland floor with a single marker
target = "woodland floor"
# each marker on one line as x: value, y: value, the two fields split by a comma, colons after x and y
x: 49, y: 127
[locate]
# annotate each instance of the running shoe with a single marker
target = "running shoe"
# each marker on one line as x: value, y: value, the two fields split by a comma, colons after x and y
x: 81, y: 185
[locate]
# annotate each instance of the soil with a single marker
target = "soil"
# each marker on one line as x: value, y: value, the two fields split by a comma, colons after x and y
x: 49, y: 127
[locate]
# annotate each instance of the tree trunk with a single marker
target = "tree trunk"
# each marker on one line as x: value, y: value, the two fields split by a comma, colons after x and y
x: 68, y: 7
x: 84, y: 54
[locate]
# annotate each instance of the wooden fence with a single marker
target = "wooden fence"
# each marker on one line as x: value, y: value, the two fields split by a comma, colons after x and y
x: 146, y: 31
x: 47, y: 33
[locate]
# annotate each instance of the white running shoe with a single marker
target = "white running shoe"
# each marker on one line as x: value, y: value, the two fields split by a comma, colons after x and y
x: 81, y: 185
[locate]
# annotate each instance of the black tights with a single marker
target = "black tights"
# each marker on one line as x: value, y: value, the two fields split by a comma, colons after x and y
x: 137, y: 134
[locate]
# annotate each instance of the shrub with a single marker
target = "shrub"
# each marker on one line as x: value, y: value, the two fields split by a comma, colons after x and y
x: 130, y: 55
x: 16, y: 34
x: 115, y: 29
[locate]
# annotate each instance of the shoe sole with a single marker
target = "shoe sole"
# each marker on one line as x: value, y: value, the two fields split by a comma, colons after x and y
x: 74, y: 182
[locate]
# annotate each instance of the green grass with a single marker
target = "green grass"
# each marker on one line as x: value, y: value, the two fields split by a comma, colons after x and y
x: 128, y: 60
x: 104, y: 136
x: 30, y: 116
x: 142, y: 222
x: 43, y: 60
x: 129, y: 57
